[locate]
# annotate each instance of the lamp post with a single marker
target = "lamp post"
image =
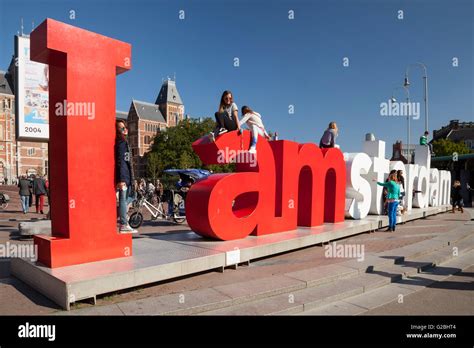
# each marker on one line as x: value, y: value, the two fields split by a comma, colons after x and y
x: 393, y: 100
x: 425, y: 87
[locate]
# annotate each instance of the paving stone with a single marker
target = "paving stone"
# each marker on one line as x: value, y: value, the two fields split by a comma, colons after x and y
x: 185, y: 303
x: 256, y: 289
x: 323, y: 274
x: 337, y: 308
x: 276, y: 305
x: 378, y: 297
x: 370, y: 281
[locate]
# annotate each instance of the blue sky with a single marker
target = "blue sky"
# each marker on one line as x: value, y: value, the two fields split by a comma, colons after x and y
x: 282, y: 61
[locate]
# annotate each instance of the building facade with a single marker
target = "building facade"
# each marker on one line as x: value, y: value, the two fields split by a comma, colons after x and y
x: 145, y: 120
x: 16, y: 157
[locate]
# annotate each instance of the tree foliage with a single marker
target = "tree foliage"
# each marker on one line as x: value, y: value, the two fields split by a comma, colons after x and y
x: 172, y: 148
x: 447, y: 147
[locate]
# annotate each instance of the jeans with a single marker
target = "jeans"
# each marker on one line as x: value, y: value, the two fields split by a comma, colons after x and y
x: 25, y: 203
x: 223, y: 121
x: 124, y: 201
x: 255, y: 133
x: 392, y: 214
x: 39, y: 203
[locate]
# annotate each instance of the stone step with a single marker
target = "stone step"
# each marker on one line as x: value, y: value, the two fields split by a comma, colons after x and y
x: 292, y: 292
x: 337, y: 289
x: 395, y: 291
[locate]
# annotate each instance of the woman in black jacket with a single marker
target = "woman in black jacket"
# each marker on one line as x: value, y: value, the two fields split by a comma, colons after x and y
x: 123, y: 175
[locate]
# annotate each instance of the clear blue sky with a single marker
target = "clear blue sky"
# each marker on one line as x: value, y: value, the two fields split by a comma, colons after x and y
x: 283, y: 61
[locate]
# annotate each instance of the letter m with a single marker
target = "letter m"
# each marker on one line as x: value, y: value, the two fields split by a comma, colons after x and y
x: 320, y: 176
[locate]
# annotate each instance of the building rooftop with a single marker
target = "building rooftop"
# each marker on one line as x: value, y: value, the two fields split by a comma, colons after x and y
x: 455, y: 131
x: 148, y: 111
x: 169, y: 93
x: 5, y: 83
x: 121, y: 115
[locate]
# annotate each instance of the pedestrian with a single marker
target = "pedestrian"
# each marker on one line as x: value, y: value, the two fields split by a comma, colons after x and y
x: 123, y: 175
x: 39, y: 190
x: 25, y: 191
x: 227, y: 116
x: 31, y: 179
x: 392, y: 199
x: 456, y: 196
x: 253, y: 121
x: 401, y: 181
x: 328, y: 139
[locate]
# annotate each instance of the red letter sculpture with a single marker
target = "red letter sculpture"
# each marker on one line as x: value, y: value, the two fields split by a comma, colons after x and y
x: 83, y: 67
x: 291, y: 184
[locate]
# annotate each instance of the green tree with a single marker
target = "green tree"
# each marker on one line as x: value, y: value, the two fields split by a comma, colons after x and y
x: 152, y: 165
x: 446, y: 147
x: 172, y: 148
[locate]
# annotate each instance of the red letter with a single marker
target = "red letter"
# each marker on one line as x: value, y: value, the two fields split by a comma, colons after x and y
x: 83, y: 66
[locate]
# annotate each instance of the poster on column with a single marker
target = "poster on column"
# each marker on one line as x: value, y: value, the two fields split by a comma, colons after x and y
x: 32, y: 94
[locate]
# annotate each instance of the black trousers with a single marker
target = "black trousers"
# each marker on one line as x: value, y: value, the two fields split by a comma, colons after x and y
x: 223, y: 121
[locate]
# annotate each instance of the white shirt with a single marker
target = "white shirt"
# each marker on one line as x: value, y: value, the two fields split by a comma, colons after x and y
x: 253, y: 119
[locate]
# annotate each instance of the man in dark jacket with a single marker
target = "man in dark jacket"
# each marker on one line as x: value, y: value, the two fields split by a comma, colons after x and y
x: 39, y: 190
x: 25, y: 190
x: 123, y: 175
x: 456, y: 196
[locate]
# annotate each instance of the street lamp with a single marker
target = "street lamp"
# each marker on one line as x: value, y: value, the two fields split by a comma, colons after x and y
x: 406, y: 84
x: 393, y: 100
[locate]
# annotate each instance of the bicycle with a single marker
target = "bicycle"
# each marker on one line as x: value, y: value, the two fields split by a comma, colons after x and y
x: 157, y: 210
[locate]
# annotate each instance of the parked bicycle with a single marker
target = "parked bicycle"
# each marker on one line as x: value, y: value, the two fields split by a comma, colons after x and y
x: 156, y: 207
x: 175, y: 199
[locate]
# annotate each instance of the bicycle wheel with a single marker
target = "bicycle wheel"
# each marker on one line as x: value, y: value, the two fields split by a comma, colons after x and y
x: 135, y: 220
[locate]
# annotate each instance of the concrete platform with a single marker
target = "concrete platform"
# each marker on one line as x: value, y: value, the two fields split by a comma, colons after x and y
x: 170, y: 256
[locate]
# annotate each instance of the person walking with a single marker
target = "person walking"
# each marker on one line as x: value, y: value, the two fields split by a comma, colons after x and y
x: 123, y: 175
x: 39, y: 190
x: 328, y: 139
x: 393, y: 196
x: 25, y: 191
x: 456, y: 196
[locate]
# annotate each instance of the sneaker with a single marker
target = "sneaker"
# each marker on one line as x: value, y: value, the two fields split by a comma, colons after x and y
x: 253, y: 150
x: 212, y: 137
x: 127, y: 229
x: 222, y: 131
